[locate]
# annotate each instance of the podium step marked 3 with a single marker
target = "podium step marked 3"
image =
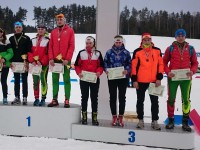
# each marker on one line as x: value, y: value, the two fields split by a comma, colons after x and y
x: 176, y: 139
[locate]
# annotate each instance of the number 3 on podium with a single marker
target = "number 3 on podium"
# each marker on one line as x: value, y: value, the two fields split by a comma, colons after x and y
x: 29, y: 121
x: 131, y: 139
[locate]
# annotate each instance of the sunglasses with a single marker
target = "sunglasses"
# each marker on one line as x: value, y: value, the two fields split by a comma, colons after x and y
x: 1, y: 31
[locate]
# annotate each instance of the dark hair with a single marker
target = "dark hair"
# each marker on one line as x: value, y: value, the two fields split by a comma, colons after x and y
x: 93, y: 39
x: 4, y: 36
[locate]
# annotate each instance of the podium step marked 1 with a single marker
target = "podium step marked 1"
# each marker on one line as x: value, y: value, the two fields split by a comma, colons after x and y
x: 129, y: 134
x: 38, y: 121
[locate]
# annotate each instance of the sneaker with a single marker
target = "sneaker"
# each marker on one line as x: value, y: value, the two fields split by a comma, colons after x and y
x: 155, y: 125
x: 42, y: 103
x: 24, y: 101
x: 36, y: 102
x: 170, y: 124
x: 84, y: 117
x: 120, y: 121
x: 140, y: 124
x: 114, y: 120
x: 53, y: 103
x: 16, y: 101
x: 66, y: 104
x: 94, y: 119
x: 5, y: 101
x: 185, y: 125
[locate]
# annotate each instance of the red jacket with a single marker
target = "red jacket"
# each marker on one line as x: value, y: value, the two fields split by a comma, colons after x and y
x: 176, y: 62
x: 61, y: 45
x: 39, y: 48
x: 95, y: 64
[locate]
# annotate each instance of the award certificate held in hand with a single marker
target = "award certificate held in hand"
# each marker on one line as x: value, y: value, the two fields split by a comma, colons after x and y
x: 58, y: 68
x: 18, y: 67
x: 156, y: 91
x: 35, y: 70
x: 180, y: 74
x: 115, y: 73
x: 89, y: 77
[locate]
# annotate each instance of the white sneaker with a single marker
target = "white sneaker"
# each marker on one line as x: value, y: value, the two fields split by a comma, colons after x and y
x: 155, y: 125
x: 140, y: 124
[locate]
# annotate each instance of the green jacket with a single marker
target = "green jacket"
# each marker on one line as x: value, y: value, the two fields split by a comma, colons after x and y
x: 6, y: 52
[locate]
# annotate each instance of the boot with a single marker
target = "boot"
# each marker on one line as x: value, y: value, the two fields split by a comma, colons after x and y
x: 140, y: 124
x: 36, y: 102
x: 185, y: 125
x: 16, y: 101
x: 42, y: 103
x: 155, y: 125
x: 94, y: 119
x: 53, y: 103
x: 120, y: 121
x: 66, y: 105
x: 84, y: 117
x: 5, y: 101
x: 114, y: 120
x: 170, y: 124
x: 24, y: 101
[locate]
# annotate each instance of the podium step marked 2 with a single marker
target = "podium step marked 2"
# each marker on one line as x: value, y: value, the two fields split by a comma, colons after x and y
x: 38, y: 121
x: 129, y: 134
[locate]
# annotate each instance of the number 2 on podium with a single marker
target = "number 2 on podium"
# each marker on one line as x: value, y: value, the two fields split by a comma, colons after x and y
x: 29, y: 121
x: 131, y: 139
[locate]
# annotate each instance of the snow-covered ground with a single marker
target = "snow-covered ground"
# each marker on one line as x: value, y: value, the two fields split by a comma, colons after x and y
x: 131, y: 42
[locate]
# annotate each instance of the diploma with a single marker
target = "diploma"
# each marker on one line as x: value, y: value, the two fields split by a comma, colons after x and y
x: 58, y: 68
x: 18, y: 67
x: 156, y: 91
x: 115, y: 73
x: 180, y: 74
x: 35, y: 70
x: 89, y: 77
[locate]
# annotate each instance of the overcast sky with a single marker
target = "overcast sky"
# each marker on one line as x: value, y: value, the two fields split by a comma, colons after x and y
x: 168, y: 5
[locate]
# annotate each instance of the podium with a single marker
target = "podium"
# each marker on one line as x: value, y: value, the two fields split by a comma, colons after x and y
x: 63, y: 123
x: 38, y: 121
x: 129, y: 134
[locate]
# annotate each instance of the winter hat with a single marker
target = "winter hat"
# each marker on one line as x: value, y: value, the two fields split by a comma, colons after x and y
x: 42, y: 26
x: 60, y: 16
x: 118, y: 38
x: 18, y: 24
x: 146, y: 35
x: 180, y: 32
x: 90, y: 38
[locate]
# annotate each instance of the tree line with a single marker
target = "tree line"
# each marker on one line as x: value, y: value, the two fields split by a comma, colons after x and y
x: 83, y: 20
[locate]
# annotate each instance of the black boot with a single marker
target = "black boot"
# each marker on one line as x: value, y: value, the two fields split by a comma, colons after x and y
x: 170, y: 124
x: 84, y: 117
x: 185, y: 125
x: 94, y: 119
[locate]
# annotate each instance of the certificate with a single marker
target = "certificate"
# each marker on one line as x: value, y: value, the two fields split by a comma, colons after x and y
x: 180, y: 74
x: 89, y: 77
x: 58, y: 68
x: 156, y: 91
x: 18, y: 67
x: 35, y: 70
x: 115, y: 73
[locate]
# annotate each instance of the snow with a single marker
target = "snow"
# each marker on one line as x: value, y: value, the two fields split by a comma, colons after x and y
x: 131, y: 43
